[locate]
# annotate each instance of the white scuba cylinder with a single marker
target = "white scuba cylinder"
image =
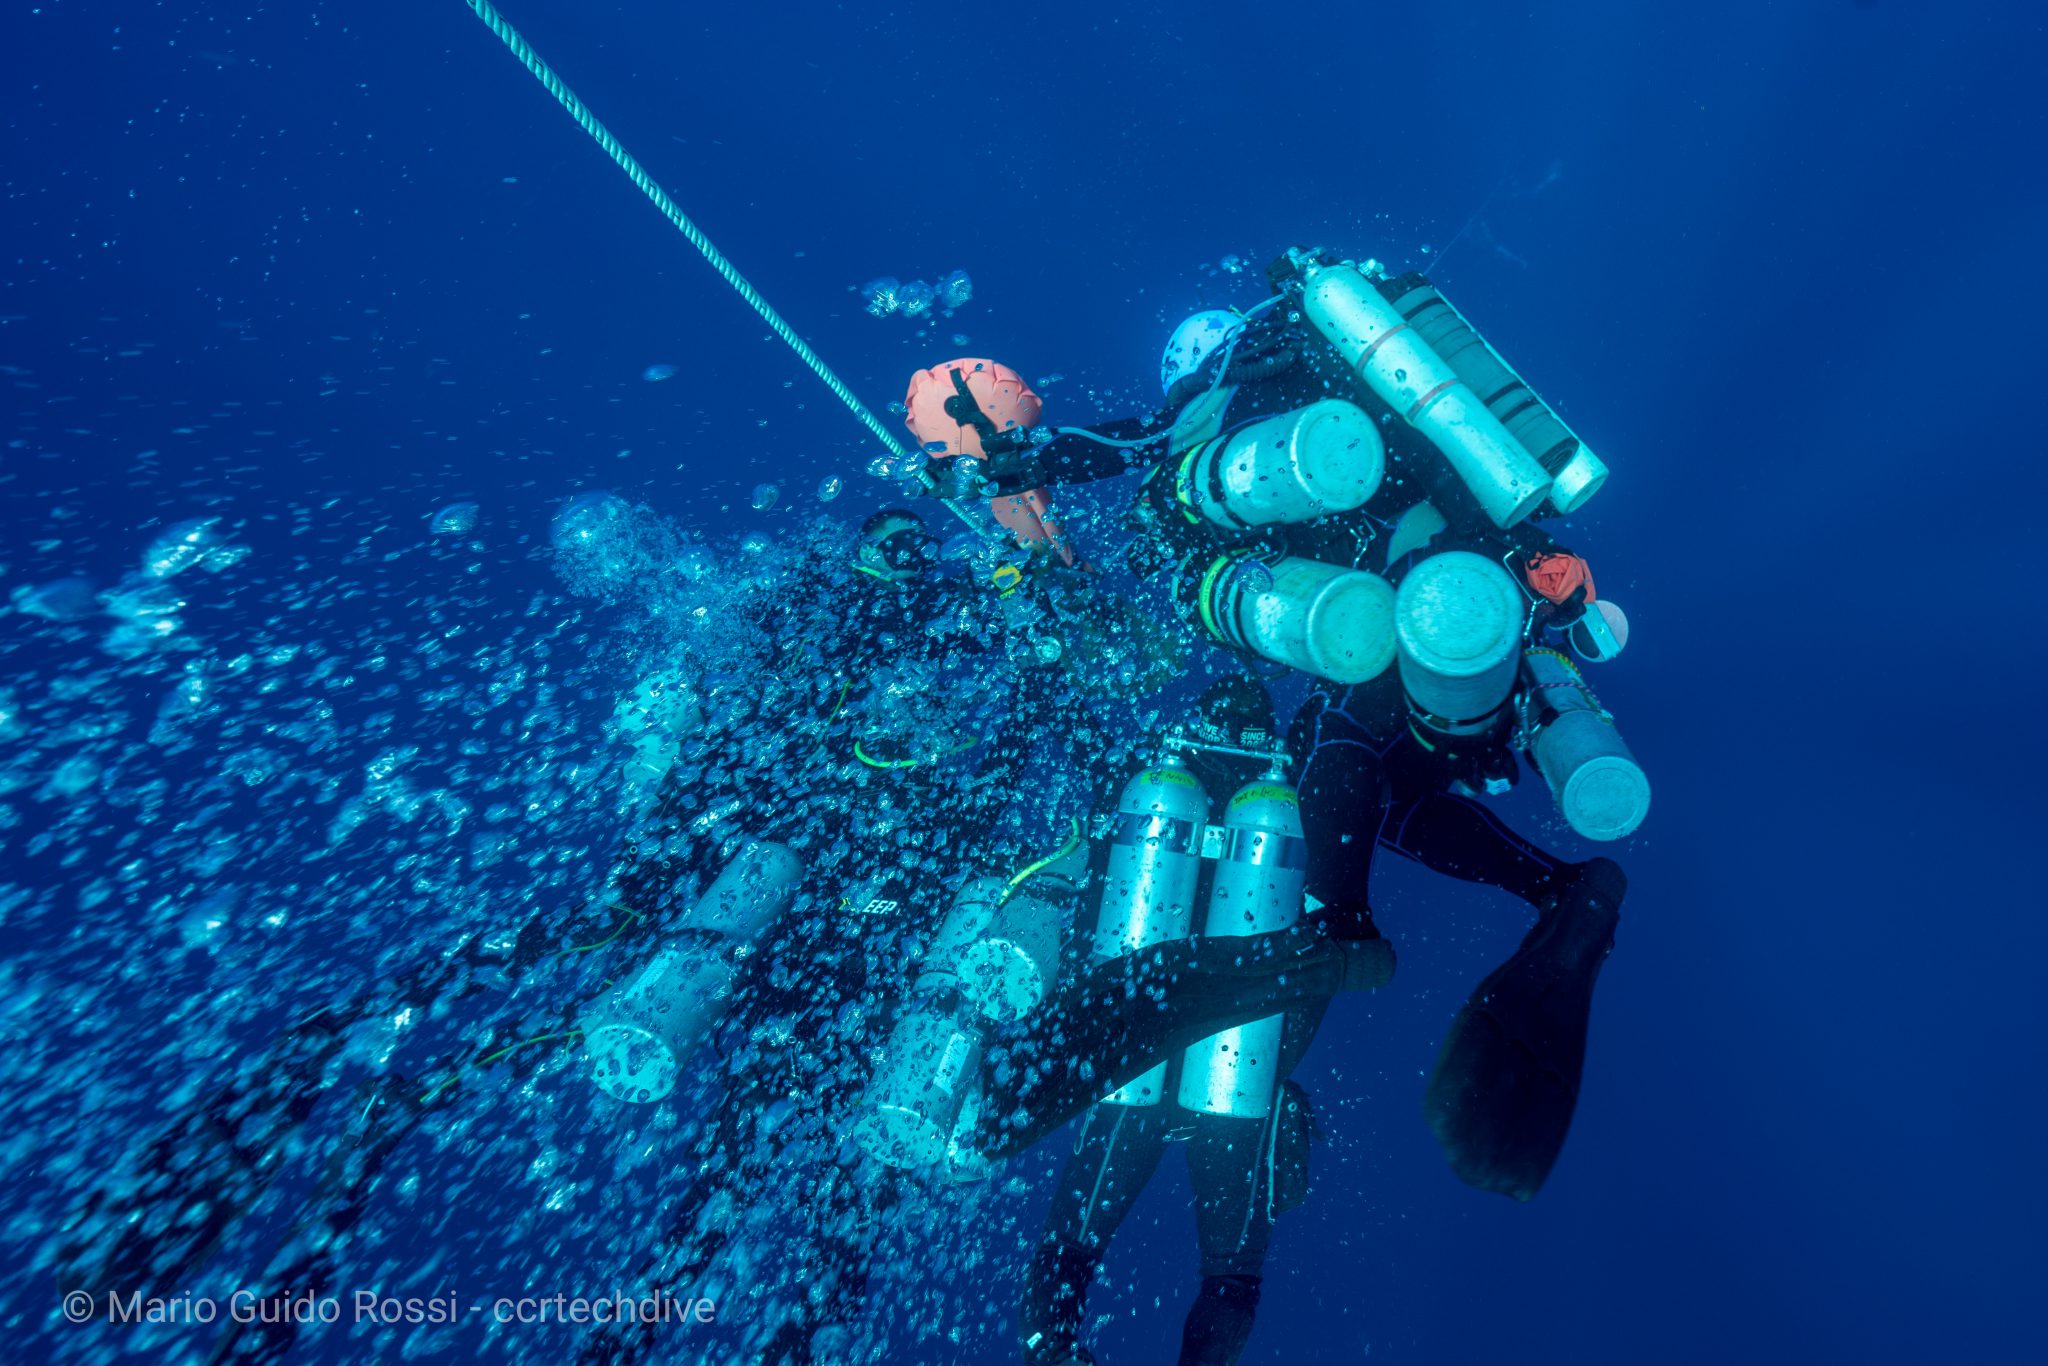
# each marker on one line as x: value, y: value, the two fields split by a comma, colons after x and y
x: 1576, y: 473
x: 1325, y: 458
x: 1011, y: 967
x: 973, y: 911
x: 927, y: 1070
x: 992, y: 959
x: 1394, y: 361
x: 1148, y: 888
x: 1600, y: 789
x: 639, y: 1034
x: 655, y: 720
x: 928, y: 1066
x: 1323, y: 619
x: 1256, y: 889
x: 1459, y: 620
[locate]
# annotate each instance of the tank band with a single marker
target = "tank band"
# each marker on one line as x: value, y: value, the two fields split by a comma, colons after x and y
x: 1135, y: 830
x: 1366, y: 355
x: 1267, y: 849
x: 1432, y: 396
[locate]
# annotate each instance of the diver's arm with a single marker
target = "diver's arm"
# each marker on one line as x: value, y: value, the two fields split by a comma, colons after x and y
x: 1080, y: 455
x: 1073, y: 455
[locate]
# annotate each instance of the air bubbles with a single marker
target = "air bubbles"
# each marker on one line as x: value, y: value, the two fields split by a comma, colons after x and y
x: 182, y: 546
x: 886, y: 295
x: 457, y: 519
x: 57, y: 600
x: 880, y: 293
x: 955, y: 289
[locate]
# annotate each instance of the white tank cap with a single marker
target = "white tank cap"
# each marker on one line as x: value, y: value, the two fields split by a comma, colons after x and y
x: 1605, y: 798
x: 1574, y: 485
x: 1458, y: 615
x: 630, y: 1063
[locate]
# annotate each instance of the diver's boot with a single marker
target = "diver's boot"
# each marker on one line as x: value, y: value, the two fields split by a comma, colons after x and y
x: 1501, y: 1099
x: 1055, y: 1288
x: 1219, y: 1323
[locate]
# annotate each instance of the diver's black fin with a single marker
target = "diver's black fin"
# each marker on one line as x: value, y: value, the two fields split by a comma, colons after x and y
x: 1501, y: 1099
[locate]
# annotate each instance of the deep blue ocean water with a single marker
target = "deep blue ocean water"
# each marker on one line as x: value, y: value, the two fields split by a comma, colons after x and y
x: 321, y: 270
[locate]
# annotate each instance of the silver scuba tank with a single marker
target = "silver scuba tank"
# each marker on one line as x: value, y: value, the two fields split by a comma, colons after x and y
x: 1148, y: 889
x: 1256, y: 888
x: 973, y: 911
x: 928, y: 1068
x: 662, y: 713
x: 1576, y: 472
x: 1600, y: 789
x: 639, y: 1034
x: 1422, y: 388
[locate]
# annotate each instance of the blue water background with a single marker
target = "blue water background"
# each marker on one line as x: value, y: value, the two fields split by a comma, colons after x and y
x: 1780, y: 263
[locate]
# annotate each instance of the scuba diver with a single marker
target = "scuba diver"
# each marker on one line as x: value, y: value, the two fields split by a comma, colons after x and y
x: 1245, y: 1168
x: 1312, y: 458
x: 784, y: 772
x: 1342, y: 481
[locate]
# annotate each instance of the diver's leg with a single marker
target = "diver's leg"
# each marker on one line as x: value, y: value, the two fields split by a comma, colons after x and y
x: 813, y: 1319
x: 743, y: 1140
x: 1130, y: 1013
x: 1227, y: 1166
x: 1246, y: 1172
x: 1460, y: 838
x: 163, y: 1219
x: 1507, y: 1078
x: 1344, y: 798
x: 1118, y: 1150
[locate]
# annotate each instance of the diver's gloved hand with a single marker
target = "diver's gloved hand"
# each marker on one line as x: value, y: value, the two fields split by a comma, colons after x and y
x: 1348, y: 926
x: 1561, y: 616
x: 962, y: 478
x: 1488, y: 770
x: 965, y: 478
